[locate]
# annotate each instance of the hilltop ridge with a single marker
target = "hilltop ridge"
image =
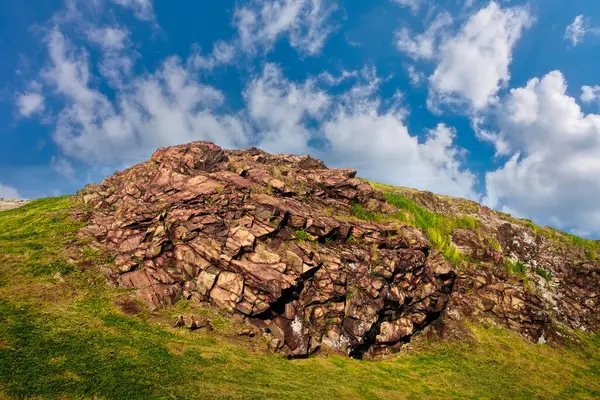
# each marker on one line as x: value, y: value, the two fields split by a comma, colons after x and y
x: 317, y: 257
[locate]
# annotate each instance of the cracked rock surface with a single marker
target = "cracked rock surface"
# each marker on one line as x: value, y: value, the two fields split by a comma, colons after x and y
x: 269, y: 237
x: 537, y: 307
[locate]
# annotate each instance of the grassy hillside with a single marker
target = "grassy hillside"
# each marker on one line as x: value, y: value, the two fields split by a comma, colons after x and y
x: 64, y: 335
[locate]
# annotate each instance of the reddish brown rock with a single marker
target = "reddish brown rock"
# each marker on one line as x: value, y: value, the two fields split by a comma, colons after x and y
x: 267, y: 236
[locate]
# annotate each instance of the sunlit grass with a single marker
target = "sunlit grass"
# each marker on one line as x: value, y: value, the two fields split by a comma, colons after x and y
x: 68, y: 340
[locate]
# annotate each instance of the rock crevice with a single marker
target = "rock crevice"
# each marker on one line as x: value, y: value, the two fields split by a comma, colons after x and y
x: 270, y: 237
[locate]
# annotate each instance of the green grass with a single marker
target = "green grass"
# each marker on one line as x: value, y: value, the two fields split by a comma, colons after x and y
x: 68, y: 340
x: 515, y: 267
x: 590, y: 246
x: 437, y: 226
x: 303, y: 236
x: 544, y: 273
x: 361, y: 213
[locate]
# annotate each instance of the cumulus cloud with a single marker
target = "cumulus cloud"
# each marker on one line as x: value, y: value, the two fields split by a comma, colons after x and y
x: 359, y: 130
x: 553, y: 175
x: 305, y: 22
x: 170, y: 106
x: 279, y: 108
x: 473, y: 64
x: 163, y: 108
x: 590, y: 93
x: 380, y: 146
x: 30, y: 103
x: 8, y: 192
x: 424, y: 45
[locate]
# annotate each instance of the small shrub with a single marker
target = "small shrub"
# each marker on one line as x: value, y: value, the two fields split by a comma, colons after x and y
x: 544, y: 273
x: 515, y: 267
x: 303, y: 236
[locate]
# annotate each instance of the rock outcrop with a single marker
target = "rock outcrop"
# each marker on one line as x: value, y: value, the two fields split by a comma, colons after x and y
x: 269, y: 237
x: 9, y: 204
x: 557, y: 287
x: 276, y: 239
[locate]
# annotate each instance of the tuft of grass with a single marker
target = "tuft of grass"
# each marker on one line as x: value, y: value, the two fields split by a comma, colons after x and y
x: 360, y: 212
x: 515, y: 267
x: 590, y: 247
x: 303, y: 236
x: 544, y: 273
x: 493, y: 242
x: 438, y: 227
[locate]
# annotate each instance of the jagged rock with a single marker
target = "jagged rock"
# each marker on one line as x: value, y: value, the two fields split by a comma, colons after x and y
x: 192, y: 322
x: 267, y: 236
x: 247, y: 332
x: 567, y: 296
x: 392, y: 332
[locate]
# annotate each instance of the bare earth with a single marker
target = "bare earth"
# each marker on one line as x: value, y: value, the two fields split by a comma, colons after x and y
x: 7, y: 204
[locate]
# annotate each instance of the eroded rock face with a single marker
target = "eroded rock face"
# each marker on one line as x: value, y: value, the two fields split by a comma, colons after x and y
x: 269, y: 237
x: 557, y: 290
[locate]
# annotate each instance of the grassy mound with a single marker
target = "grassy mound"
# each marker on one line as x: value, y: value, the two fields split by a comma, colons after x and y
x: 63, y: 335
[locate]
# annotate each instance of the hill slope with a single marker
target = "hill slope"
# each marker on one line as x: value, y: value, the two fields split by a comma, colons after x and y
x: 66, y: 332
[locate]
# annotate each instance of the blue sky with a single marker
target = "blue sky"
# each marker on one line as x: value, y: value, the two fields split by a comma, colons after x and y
x: 493, y: 101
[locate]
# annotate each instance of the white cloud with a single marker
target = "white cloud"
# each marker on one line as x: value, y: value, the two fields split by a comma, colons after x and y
x: 171, y: 105
x: 306, y: 22
x: 590, y: 93
x: 424, y: 45
x: 30, y: 103
x: 8, y: 192
x: 109, y: 38
x: 473, y: 64
x: 575, y: 32
x: 414, y: 5
x: 416, y: 77
x: 223, y: 53
x: 485, y: 134
x: 553, y: 176
x: 117, y: 56
x: 279, y: 108
x: 143, y: 9
x: 163, y: 108
x: 578, y: 29
x: 380, y: 147
x: 359, y: 131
